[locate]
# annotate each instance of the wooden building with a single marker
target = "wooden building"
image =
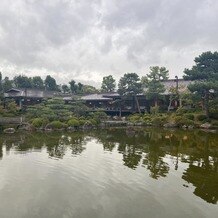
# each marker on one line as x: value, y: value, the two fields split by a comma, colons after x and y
x: 27, y: 96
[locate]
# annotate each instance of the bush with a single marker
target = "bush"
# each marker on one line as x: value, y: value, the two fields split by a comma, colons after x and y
x: 82, y: 122
x: 201, y: 117
x: 158, y: 120
x: 155, y: 110
x: 134, y: 118
x: 214, y: 115
x: 73, y: 122
x: 189, y: 116
x: 56, y: 125
x: 181, y: 111
x: 180, y: 120
x: 39, y: 122
x: 214, y: 123
x: 99, y: 116
x: 93, y: 122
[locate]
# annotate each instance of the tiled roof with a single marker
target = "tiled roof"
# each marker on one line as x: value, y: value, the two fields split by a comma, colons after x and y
x: 97, y: 97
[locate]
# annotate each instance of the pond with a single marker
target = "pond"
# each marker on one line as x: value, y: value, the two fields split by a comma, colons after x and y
x: 131, y: 173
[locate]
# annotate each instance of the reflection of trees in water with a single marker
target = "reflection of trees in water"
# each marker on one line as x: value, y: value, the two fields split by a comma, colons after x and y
x: 202, y: 172
x: 55, y: 143
x: 197, y: 148
x: 140, y: 147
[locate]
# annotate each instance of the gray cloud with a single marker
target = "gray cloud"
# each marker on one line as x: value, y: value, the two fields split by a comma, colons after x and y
x: 85, y: 40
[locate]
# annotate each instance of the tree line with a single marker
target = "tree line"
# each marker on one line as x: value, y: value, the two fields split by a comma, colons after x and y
x: 204, y: 87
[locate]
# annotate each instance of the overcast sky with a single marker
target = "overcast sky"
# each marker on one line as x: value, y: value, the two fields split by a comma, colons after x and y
x: 85, y: 40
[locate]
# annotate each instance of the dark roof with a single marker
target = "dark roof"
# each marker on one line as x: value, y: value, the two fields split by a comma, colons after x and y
x: 95, y: 97
x: 32, y: 93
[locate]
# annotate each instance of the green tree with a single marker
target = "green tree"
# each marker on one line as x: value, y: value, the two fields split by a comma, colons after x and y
x: 88, y: 89
x: 50, y: 83
x: 65, y: 88
x: 204, y: 75
x: 73, y: 86
x: 80, y: 88
x: 22, y: 81
x: 108, y: 84
x: 7, y: 84
x: 37, y: 82
x: 130, y: 85
x: 152, y: 82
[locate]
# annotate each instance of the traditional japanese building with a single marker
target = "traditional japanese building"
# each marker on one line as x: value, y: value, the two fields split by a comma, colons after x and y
x: 28, y: 96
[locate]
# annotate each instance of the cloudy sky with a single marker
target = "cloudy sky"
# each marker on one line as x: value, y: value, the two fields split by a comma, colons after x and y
x: 85, y: 40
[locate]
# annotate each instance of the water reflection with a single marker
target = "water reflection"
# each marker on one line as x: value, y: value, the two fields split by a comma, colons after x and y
x: 158, y: 151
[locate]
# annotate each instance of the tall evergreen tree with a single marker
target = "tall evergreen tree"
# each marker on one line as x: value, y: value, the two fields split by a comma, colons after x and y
x: 152, y: 82
x: 22, y: 81
x: 130, y: 85
x: 204, y: 75
x: 37, y: 82
x: 108, y: 84
x: 50, y: 83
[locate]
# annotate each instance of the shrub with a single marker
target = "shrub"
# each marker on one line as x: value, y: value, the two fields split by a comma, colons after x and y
x: 146, y: 118
x: 39, y: 122
x: 134, y: 118
x: 201, y: 117
x: 82, y: 122
x: 189, y: 116
x: 99, y: 116
x: 93, y: 122
x: 56, y: 125
x: 73, y: 122
x: 214, y: 123
x: 158, y: 120
x: 180, y: 120
x: 214, y: 115
x: 155, y: 110
x: 12, y: 107
x: 181, y: 111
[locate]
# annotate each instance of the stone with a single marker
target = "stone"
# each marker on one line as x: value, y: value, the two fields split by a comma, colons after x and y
x: 9, y: 130
x: 170, y: 125
x: 205, y: 126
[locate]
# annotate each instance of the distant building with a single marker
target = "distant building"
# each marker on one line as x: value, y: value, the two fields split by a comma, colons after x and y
x: 28, y: 96
x: 113, y: 103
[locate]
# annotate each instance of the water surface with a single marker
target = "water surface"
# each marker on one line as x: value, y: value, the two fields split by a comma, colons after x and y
x: 109, y: 173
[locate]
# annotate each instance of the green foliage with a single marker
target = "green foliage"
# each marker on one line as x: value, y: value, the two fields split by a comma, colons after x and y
x: 201, y: 117
x: 189, y: 116
x: 37, y: 82
x: 108, y: 84
x: 50, y: 83
x: 181, y: 121
x: 7, y: 84
x: 159, y: 120
x: 73, y: 122
x: 56, y: 125
x: 23, y: 81
x: 181, y: 110
x: 152, y: 82
x: 79, y: 109
x: 205, y: 76
x: 39, y: 122
x: 129, y: 84
x: 87, y: 89
x: 12, y: 107
x: 155, y: 110
x: 99, y: 116
x: 93, y: 122
x: 147, y: 118
x: 65, y: 89
x: 135, y: 118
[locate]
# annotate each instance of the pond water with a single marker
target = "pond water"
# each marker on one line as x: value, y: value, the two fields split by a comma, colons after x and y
x: 109, y: 173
